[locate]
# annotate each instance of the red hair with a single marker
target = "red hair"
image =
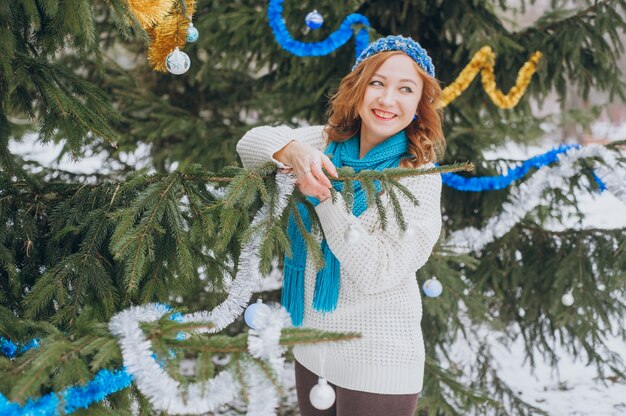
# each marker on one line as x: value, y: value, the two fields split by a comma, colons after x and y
x: 426, y: 139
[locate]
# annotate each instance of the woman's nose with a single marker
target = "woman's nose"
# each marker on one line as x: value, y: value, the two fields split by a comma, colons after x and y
x: 386, y: 97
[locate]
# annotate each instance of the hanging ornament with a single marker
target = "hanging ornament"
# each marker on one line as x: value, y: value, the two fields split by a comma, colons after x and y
x: 432, y: 287
x: 169, y: 31
x: 352, y: 235
x: 322, y: 396
x: 314, y: 20
x: 192, y: 33
x: 567, y: 299
x: 251, y: 312
x: 407, y: 234
x: 177, y: 62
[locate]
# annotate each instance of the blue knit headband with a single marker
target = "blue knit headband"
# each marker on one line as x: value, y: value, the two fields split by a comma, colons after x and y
x: 399, y: 43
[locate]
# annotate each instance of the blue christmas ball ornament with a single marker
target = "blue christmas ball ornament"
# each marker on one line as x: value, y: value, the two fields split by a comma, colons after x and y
x: 192, y: 33
x: 251, y: 312
x: 314, y: 20
x: 432, y: 287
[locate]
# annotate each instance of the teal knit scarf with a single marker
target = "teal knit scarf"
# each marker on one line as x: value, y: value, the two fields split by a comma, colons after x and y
x: 387, y: 154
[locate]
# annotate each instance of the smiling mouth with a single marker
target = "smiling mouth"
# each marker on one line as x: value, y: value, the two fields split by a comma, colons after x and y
x: 383, y: 115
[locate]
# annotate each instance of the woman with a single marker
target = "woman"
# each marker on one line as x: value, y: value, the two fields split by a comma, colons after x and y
x: 383, y: 115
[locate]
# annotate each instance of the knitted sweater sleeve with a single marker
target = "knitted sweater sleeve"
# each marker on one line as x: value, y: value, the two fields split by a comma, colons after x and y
x: 381, y: 259
x: 259, y: 144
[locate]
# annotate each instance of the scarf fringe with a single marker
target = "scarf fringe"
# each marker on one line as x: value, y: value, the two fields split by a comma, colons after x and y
x: 327, y: 282
x: 292, y: 295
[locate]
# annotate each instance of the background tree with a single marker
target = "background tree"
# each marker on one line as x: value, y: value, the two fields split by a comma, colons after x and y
x: 76, y: 72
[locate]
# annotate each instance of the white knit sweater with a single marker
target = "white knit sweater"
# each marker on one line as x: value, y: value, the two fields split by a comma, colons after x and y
x: 379, y: 296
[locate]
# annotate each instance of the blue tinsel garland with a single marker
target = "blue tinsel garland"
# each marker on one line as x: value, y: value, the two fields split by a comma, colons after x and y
x: 105, y: 382
x: 332, y: 42
x: 489, y: 183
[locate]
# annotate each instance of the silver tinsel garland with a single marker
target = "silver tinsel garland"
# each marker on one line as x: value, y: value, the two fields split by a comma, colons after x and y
x: 529, y: 195
x: 248, y: 276
x: 166, y: 394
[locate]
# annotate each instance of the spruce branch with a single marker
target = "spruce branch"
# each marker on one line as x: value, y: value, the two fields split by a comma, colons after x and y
x: 239, y: 178
x: 222, y: 344
x: 395, y: 203
x: 548, y: 25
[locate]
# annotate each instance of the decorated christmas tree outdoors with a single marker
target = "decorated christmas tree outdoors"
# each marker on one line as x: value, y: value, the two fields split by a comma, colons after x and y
x: 110, y: 280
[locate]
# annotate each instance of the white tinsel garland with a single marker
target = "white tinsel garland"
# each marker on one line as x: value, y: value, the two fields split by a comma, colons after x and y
x: 163, y: 392
x: 248, y: 276
x: 166, y: 394
x: 263, y: 342
x: 615, y: 180
x: 528, y: 196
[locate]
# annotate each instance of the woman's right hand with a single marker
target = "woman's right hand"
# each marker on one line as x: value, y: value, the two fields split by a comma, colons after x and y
x: 306, y: 162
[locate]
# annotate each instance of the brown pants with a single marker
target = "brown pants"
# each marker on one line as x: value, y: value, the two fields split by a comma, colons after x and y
x: 351, y: 402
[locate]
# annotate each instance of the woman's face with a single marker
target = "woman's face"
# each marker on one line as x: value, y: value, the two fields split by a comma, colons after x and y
x: 390, y: 100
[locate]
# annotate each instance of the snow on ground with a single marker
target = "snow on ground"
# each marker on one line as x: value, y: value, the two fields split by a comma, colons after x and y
x: 573, y: 389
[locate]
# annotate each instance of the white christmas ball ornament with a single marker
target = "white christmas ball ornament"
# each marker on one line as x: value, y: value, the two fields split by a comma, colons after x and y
x: 322, y: 396
x: 192, y: 33
x: 432, y: 287
x: 177, y: 62
x: 352, y: 235
x: 251, y: 312
x: 567, y: 299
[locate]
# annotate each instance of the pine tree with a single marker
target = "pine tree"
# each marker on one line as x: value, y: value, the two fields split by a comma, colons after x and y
x: 76, y: 249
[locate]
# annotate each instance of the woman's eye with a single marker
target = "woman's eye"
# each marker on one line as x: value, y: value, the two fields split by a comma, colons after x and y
x: 377, y: 83
x: 407, y: 89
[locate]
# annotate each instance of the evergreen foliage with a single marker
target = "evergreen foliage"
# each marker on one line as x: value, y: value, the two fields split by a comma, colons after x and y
x: 75, y: 249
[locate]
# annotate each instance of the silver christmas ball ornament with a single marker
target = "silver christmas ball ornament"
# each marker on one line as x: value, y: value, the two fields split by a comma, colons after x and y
x: 322, y: 396
x: 177, y: 62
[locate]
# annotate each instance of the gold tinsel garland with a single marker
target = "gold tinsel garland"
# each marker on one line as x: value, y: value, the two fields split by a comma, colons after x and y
x: 149, y: 12
x: 166, y: 25
x: 484, y: 61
